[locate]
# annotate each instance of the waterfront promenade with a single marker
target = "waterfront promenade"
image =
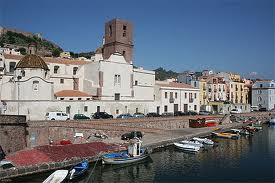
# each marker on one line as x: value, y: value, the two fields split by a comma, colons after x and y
x: 54, y: 157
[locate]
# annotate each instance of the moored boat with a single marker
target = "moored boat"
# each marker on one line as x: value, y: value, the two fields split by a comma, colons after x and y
x: 133, y: 154
x: 58, y: 176
x: 79, y: 169
x: 204, y: 140
x: 187, y: 147
x: 190, y: 142
x: 226, y: 135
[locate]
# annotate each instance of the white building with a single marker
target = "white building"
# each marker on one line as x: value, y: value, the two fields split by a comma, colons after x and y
x: 174, y: 97
x: 263, y: 94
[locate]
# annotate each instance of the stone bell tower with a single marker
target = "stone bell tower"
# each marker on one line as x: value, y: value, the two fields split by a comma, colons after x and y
x: 118, y: 38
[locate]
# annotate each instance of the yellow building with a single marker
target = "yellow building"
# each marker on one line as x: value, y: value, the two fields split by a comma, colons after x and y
x: 238, y: 93
x: 203, y: 92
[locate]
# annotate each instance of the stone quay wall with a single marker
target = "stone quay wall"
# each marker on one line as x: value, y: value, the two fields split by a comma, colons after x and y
x: 13, y: 133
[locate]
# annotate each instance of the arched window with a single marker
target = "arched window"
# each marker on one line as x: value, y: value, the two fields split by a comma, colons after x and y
x: 259, y: 99
x: 35, y: 85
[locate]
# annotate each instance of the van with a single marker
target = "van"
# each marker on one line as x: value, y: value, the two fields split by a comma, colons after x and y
x: 254, y: 108
x: 57, y: 116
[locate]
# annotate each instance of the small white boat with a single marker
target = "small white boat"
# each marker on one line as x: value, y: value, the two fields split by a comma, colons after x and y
x: 235, y: 131
x: 57, y: 177
x: 187, y: 147
x: 204, y: 140
x: 190, y: 142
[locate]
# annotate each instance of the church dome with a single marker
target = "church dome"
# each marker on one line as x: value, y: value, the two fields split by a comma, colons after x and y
x: 32, y: 61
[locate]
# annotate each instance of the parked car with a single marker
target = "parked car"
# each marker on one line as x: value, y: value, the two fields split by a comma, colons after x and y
x: 179, y: 113
x: 80, y: 116
x: 152, y: 114
x: 57, y: 116
x: 167, y: 114
x: 203, y: 112
x: 262, y: 109
x: 235, y: 111
x: 124, y: 116
x: 131, y: 135
x: 254, y: 108
x: 138, y: 115
x: 191, y: 113
x: 102, y: 115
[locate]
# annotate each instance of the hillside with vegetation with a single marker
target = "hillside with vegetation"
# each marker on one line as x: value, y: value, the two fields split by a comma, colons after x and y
x: 19, y: 39
x: 162, y: 74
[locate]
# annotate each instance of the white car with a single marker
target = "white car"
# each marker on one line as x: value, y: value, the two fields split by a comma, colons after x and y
x: 235, y: 111
x: 57, y: 116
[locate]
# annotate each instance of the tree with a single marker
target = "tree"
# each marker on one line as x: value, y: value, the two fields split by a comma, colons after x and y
x: 22, y: 51
x: 56, y: 52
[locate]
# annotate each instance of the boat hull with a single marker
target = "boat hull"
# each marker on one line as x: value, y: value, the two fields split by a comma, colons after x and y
x: 187, y: 147
x: 118, y: 161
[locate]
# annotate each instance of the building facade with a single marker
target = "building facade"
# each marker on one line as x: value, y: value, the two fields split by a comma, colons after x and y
x: 263, y: 94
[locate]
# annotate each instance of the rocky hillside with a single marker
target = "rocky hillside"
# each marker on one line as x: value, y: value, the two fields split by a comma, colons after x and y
x: 23, y: 41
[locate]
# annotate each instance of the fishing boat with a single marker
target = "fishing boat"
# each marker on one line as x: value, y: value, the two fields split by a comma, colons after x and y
x: 191, y: 142
x: 133, y: 154
x: 79, y: 169
x: 187, y: 147
x: 58, y: 176
x: 226, y: 135
x: 204, y: 140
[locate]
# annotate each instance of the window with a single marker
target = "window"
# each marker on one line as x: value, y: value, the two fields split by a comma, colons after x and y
x: 75, y: 70
x: 110, y: 30
x: 165, y: 94
x: 71, y: 99
x: 61, y: 81
x: 165, y: 108
x: 58, y: 114
x: 61, y: 98
x: 136, y: 110
x: 259, y: 99
x: 176, y: 95
x: 171, y: 94
x: 55, y: 69
x: 117, y: 96
x: 185, y: 95
x: 124, y: 30
x: 136, y: 82
x: 117, y: 111
x: 97, y: 108
x: 261, y: 85
x: 87, y: 98
x: 79, y: 99
x: 195, y: 107
x: 123, y: 53
x: 195, y: 95
x: 85, y: 108
x: 195, y: 84
x: 259, y: 91
x: 35, y: 85
x: 12, y: 66
x: 117, y: 80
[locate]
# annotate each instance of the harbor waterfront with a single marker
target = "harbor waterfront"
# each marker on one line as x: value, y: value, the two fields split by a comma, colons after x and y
x: 249, y: 159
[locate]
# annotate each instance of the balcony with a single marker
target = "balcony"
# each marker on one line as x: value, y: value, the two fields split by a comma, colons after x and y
x: 171, y: 100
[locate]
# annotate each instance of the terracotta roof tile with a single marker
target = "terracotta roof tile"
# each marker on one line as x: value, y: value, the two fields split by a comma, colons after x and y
x: 174, y: 85
x: 51, y: 60
x: 71, y: 93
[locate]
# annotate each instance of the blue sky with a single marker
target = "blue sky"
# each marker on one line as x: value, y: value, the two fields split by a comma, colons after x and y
x: 223, y: 35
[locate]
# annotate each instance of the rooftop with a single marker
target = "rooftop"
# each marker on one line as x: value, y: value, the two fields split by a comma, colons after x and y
x: 71, y: 93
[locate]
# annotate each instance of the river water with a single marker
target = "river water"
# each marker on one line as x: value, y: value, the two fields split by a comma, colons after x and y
x: 249, y: 159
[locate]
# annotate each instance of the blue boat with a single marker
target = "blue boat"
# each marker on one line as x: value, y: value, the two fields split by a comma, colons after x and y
x: 134, y: 153
x: 79, y: 169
